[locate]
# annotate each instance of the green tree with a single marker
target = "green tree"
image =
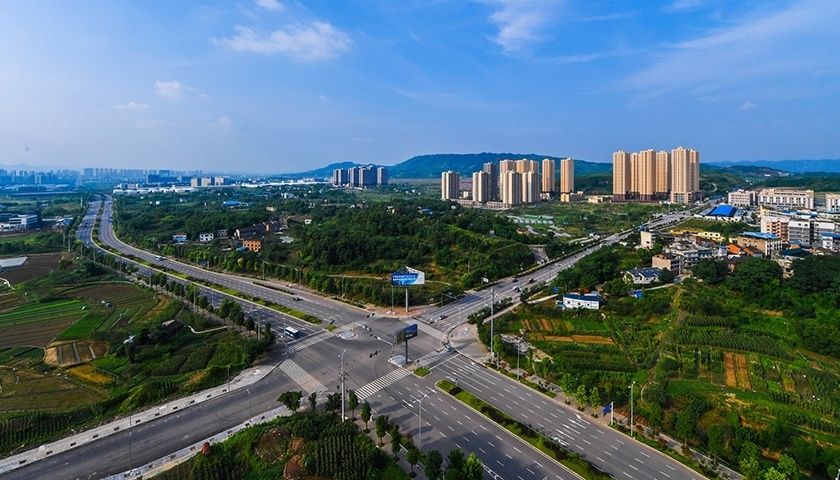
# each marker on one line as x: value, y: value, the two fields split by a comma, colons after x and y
x: 396, y: 438
x: 412, y: 456
x: 366, y: 414
x: 454, y: 465
x: 748, y: 463
x: 313, y: 401
x: 717, y: 442
x: 333, y: 402
x: 434, y: 462
x: 773, y: 474
x: 756, y: 271
x: 684, y: 426
x: 594, y: 397
x: 381, y: 425
x: 291, y: 400
x: 788, y: 466
x: 581, y: 396
x: 352, y: 402
x: 473, y: 469
x: 711, y: 271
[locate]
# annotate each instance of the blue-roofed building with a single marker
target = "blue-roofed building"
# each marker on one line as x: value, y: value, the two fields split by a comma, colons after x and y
x: 231, y: 203
x: 590, y: 301
x: 643, y: 276
x: 769, y: 244
x: 723, y: 211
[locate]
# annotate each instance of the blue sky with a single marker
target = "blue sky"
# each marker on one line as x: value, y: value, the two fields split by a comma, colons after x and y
x: 284, y: 85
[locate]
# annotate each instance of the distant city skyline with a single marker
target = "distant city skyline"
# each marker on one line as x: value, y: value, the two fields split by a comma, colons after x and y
x: 282, y: 86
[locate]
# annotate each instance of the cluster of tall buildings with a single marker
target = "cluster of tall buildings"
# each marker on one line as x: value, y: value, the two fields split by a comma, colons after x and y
x: 360, y: 176
x: 649, y: 175
x: 513, y: 182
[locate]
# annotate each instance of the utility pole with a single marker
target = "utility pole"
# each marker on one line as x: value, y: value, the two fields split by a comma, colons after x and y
x: 612, y: 413
x: 632, y: 387
x: 342, y: 385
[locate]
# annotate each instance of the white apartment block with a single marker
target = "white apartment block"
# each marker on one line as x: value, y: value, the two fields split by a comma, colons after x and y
x: 832, y: 202
x: 786, y: 197
x: 743, y: 198
x: 449, y: 185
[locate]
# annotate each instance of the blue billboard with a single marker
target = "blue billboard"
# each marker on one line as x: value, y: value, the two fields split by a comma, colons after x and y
x: 408, y: 277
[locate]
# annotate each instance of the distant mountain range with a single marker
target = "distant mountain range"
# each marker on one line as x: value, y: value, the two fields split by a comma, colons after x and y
x: 792, y: 166
x: 431, y: 166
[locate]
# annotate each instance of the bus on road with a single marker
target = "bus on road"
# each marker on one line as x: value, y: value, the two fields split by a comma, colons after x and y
x: 291, y: 332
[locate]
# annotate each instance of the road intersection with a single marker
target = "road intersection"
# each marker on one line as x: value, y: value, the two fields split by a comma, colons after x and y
x: 311, y: 364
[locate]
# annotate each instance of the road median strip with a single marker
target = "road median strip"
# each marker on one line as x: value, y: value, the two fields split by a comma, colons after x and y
x: 536, y: 440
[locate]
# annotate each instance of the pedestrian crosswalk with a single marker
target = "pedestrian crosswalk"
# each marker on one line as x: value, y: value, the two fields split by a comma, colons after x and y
x: 431, y: 357
x: 385, y: 380
x: 307, y: 382
x: 308, y: 341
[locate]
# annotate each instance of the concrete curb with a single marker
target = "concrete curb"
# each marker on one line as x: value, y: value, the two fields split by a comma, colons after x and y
x: 244, y: 379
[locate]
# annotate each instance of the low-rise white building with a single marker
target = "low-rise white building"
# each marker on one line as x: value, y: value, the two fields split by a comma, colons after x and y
x: 831, y: 241
x: 179, y: 237
x: 589, y: 301
x: 206, y: 237
x: 21, y: 222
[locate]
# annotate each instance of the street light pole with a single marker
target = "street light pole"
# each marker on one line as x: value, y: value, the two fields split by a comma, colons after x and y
x: 632, y: 387
x: 342, y: 385
x: 420, y: 421
x: 250, y: 411
x: 518, y: 347
x: 492, y: 336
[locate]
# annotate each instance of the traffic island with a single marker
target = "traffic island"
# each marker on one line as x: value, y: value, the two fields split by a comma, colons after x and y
x: 528, y: 434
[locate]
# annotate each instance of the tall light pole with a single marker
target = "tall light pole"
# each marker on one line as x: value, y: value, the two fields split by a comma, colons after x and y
x: 420, y: 421
x: 492, y: 336
x: 342, y: 385
x: 632, y: 387
x: 518, y: 347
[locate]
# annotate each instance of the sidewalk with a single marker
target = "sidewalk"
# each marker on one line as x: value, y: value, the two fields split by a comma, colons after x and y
x: 244, y: 379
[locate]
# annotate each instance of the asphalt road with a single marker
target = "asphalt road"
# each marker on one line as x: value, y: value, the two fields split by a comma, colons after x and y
x: 446, y: 423
x: 609, y: 450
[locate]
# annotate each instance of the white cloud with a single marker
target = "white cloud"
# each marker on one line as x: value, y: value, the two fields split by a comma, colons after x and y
x: 680, y: 5
x: 746, y: 106
x: 315, y: 41
x: 521, y: 22
x: 223, y: 123
x: 173, y: 89
x: 788, y: 47
x: 132, y: 107
x: 169, y: 88
x: 270, y: 5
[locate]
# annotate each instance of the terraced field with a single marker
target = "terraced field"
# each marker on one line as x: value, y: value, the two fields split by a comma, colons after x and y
x: 37, y: 324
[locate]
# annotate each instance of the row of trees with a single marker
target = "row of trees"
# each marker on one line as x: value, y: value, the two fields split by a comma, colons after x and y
x: 457, y: 467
